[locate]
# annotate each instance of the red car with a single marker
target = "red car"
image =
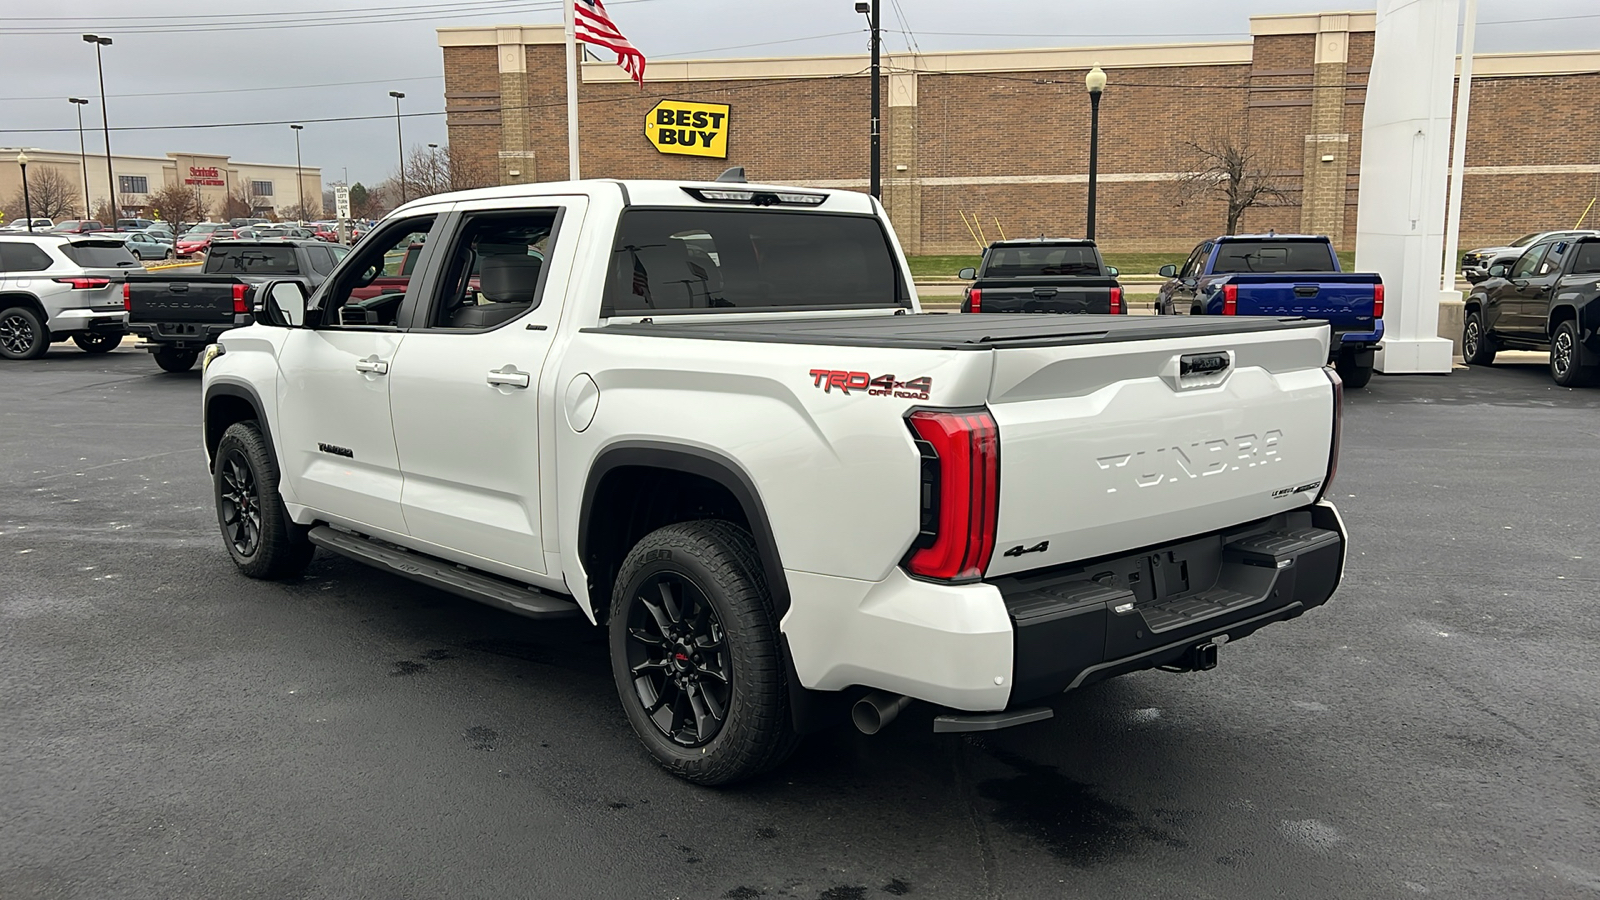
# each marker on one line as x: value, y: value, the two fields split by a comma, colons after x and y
x: 198, y: 239
x: 77, y: 226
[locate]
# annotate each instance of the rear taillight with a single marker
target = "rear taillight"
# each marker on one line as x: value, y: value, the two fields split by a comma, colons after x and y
x: 1377, y: 301
x: 975, y: 298
x: 84, y: 284
x: 127, y: 296
x: 1338, y: 429
x: 960, y: 493
x: 1116, y: 301
x: 1230, y: 299
x: 238, y: 298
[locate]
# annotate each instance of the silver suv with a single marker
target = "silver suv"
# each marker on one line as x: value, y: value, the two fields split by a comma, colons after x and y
x: 55, y: 287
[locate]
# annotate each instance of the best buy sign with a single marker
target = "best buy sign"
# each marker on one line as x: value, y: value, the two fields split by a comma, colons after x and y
x: 690, y: 129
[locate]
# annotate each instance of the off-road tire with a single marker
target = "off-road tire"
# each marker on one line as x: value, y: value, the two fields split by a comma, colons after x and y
x: 175, y: 360
x: 22, y: 334
x: 97, y: 341
x: 281, y: 548
x: 1477, y: 346
x: 1354, y: 376
x: 1565, y: 354
x: 720, y: 559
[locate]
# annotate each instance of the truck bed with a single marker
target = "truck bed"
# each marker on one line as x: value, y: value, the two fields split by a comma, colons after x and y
x: 939, y: 331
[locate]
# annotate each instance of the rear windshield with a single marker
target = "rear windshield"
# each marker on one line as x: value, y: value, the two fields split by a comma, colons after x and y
x: 251, y: 260
x: 99, y: 254
x: 686, y: 259
x: 1042, y: 259
x: 1273, y: 256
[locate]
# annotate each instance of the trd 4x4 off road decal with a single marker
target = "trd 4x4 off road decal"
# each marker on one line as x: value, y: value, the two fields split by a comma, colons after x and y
x: 881, y: 386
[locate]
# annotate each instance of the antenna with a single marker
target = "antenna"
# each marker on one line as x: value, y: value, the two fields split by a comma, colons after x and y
x: 733, y: 173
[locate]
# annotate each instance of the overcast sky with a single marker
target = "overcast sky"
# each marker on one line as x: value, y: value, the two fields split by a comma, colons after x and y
x: 172, y: 64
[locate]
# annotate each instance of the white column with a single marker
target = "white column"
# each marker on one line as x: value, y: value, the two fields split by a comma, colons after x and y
x: 1458, y: 158
x: 572, y: 90
x: 1405, y: 147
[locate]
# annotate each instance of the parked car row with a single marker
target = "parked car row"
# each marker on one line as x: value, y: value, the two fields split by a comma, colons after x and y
x: 1475, y: 264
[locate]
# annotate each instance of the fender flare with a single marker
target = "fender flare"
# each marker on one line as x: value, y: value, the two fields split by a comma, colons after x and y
x: 706, y: 464
x: 246, y: 393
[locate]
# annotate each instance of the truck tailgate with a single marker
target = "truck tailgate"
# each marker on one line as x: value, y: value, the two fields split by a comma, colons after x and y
x: 1117, y: 445
x: 1340, y: 297
x: 182, y: 299
x: 1092, y: 299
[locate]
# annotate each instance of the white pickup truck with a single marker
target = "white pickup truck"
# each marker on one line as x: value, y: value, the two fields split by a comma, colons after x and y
x: 713, y: 419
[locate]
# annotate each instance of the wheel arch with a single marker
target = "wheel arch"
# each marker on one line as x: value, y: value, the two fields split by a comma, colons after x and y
x: 18, y: 298
x: 664, y: 477
x: 227, y: 403
x: 1473, y: 304
x: 1564, y: 312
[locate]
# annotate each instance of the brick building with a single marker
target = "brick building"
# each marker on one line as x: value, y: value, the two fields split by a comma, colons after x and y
x: 1004, y: 134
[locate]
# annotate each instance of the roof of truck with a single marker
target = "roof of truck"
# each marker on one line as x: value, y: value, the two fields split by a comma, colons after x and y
x: 643, y: 192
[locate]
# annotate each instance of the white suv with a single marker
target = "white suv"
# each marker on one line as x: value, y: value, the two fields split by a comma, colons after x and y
x: 55, y: 287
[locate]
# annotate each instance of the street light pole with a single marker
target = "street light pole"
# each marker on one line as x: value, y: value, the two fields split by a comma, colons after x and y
x: 105, y: 126
x: 400, y: 141
x: 27, y: 201
x: 870, y: 10
x: 433, y: 167
x: 83, y: 154
x: 299, y: 179
x: 1095, y: 81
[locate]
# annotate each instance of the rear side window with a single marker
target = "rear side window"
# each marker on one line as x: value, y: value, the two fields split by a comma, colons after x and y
x: 249, y: 260
x: 1014, y: 262
x: 100, y: 254
x: 20, y: 257
x: 1587, y: 261
x: 1273, y: 256
x: 688, y: 259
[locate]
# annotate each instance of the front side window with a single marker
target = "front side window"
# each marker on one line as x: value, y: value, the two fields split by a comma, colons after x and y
x: 685, y: 259
x: 367, y: 290
x: 1554, y: 259
x: 1529, y: 263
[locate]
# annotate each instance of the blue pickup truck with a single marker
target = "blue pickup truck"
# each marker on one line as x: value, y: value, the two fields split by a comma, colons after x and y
x: 1282, y: 275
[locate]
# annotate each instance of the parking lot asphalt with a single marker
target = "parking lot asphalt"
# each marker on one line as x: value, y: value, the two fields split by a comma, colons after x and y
x: 170, y: 729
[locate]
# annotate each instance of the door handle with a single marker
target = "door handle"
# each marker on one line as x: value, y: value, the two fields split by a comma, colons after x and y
x: 508, y: 376
x: 372, y: 365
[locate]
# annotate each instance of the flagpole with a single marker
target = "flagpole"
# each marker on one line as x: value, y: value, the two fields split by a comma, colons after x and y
x: 572, y: 89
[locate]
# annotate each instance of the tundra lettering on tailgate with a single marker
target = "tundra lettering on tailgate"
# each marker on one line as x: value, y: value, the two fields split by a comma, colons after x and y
x: 1169, y: 464
x: 881, y: 386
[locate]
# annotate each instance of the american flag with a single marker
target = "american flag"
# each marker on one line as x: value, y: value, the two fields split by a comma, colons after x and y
x: 594, y: 26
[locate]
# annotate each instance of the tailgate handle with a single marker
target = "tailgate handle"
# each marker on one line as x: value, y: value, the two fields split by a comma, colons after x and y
x: 1197, y: 370
x: 1305, y: 290
x: 177, y: 287
x: 1044, y: 292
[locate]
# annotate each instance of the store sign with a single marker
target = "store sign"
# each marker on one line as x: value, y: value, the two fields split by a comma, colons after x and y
x: 207, y: 176
x: 688, y: 129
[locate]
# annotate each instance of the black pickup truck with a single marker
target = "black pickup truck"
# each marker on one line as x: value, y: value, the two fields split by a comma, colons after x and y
x: 178, y: 315
x: 1043, y: 275
x: 1549, y: 299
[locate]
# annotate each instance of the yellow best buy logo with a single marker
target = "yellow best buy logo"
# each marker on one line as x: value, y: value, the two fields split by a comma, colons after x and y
x: 689, y: 129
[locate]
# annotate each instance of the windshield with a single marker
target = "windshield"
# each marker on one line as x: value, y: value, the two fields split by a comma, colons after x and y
x: 684, y: 259
x: 1525, y: 240
x: 1041, y: 259
x: 251, y: 260
x: 201, y: 230
x: 1273, y: 256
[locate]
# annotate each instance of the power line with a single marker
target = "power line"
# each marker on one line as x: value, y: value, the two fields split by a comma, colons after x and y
x: 285, y: 87
x: 814, y: 37
x: 333, y: 18
x: 357, y: 9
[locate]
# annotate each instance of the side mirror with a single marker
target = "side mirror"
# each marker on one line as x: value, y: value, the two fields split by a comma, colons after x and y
x: 1498, y: 271
x: 1113, y: 271
x: 281, y: 303
x: 967, y: 274
x: 1168, y: 272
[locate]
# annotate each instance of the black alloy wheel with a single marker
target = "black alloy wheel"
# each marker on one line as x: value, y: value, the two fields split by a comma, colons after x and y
x: 239, y: 503
x: 22, y: 334
x: 1564, y: 357
x: 97, y: 341
x: 1477, y: 348
x: 678, y: 658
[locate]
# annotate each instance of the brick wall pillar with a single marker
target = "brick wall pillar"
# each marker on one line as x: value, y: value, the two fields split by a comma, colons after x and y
x: 1327, y: 147
x: 902, y: 192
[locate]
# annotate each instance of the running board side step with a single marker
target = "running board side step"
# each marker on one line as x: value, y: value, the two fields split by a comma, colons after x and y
x: 446, y: 576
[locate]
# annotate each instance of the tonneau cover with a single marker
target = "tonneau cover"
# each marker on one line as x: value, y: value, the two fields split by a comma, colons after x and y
x: 940, y: 331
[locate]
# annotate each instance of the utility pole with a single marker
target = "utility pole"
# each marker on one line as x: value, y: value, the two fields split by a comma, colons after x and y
x: 299, y: 177
x: 105, y: 126
x: 83, y: 154
x: 870, y: 10
x: 400, y: 141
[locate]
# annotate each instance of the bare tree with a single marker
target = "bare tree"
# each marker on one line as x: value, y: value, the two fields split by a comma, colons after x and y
x: 237, y: 204
x: 179, y: 204
x: 1234, y: 174
x: 51, y: 194
x: 438, y: 170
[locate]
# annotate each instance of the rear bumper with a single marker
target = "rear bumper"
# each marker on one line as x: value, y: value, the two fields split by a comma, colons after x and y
x: 1156, y: 607
x: 180, y: 335
x: 68, y: 321
x: 1013, y: 640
